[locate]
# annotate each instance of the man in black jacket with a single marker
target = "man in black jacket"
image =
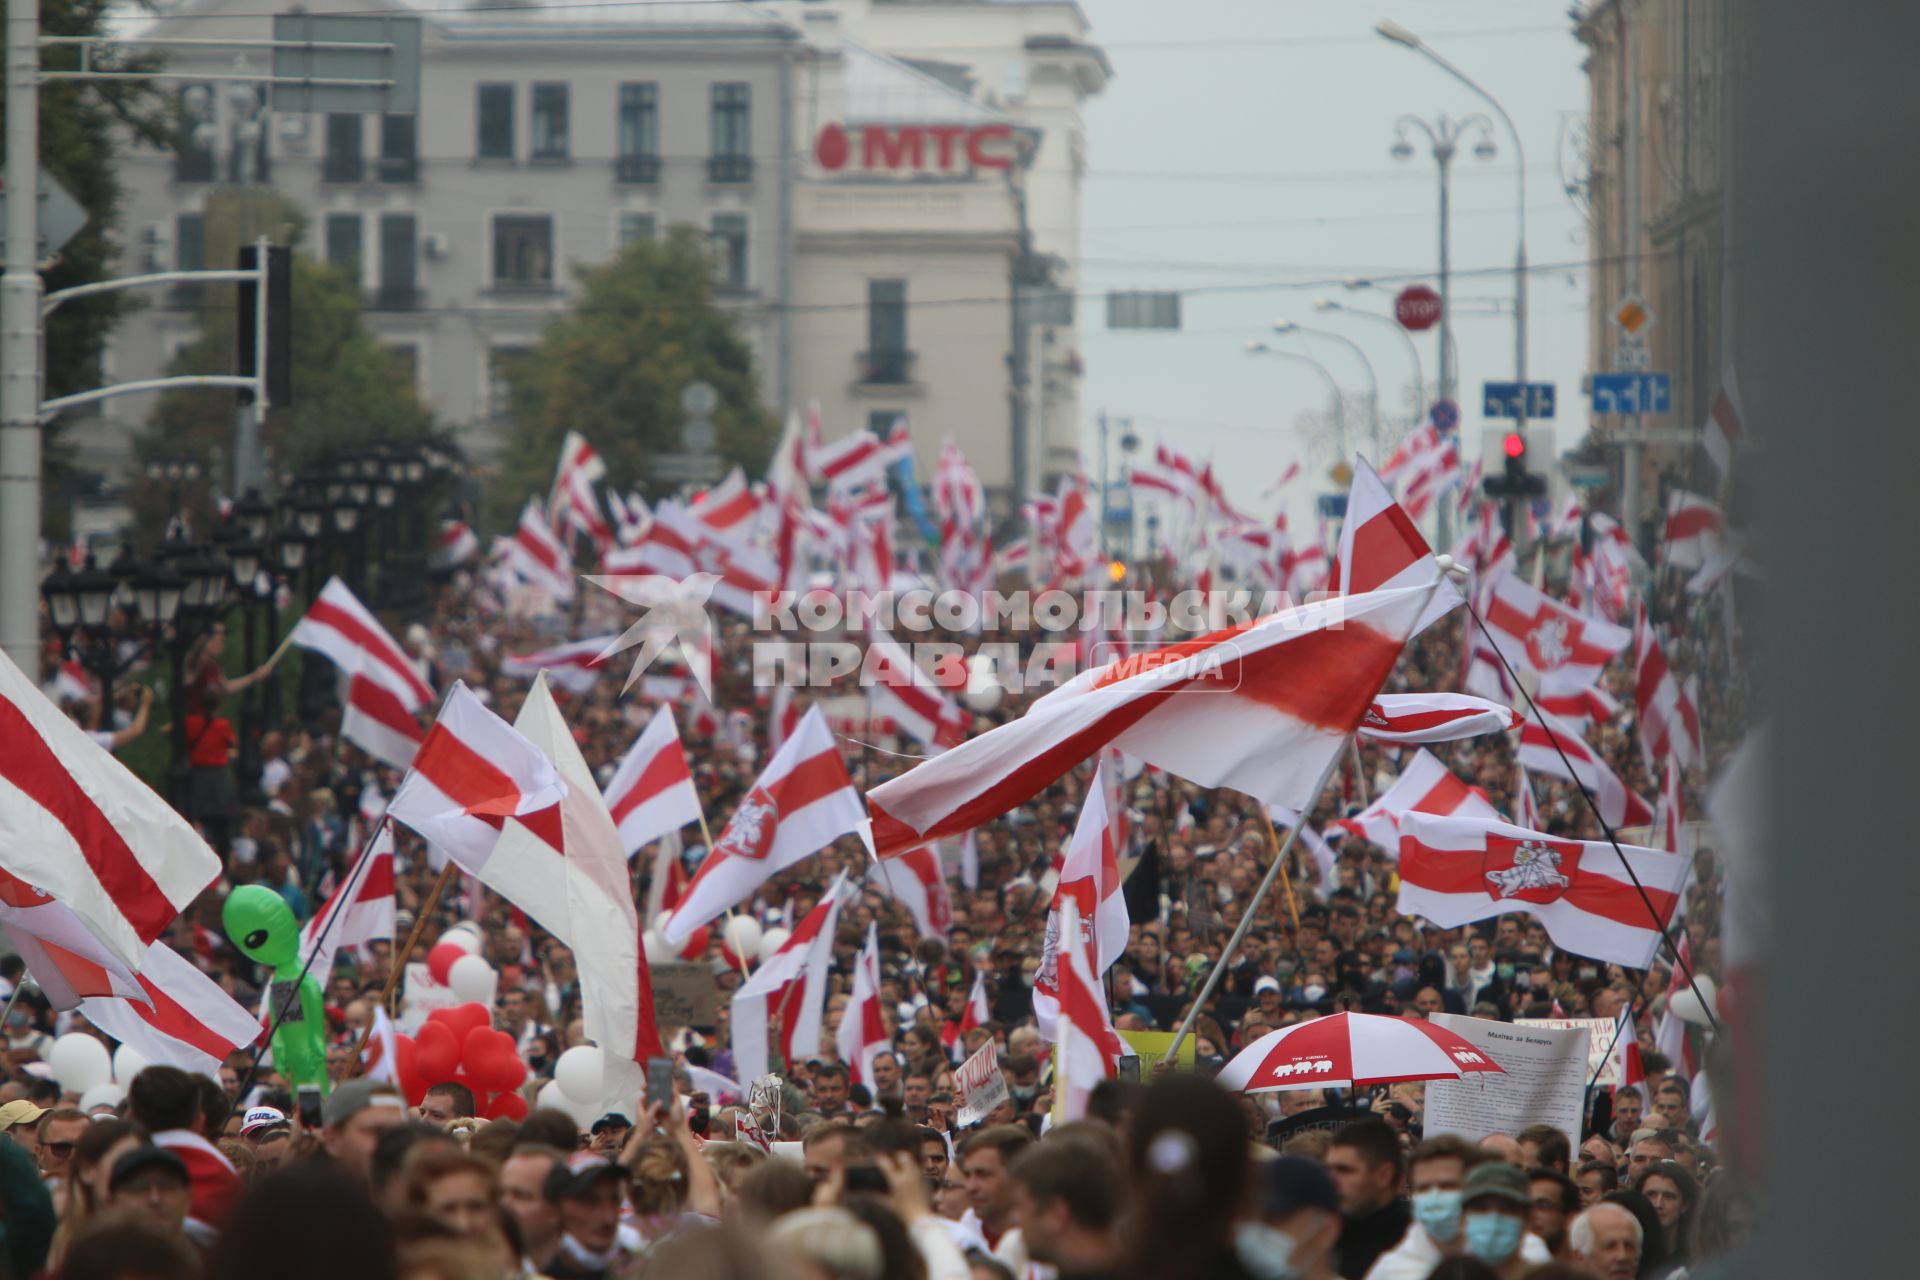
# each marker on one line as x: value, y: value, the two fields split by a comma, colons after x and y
x: 1364, y: 1160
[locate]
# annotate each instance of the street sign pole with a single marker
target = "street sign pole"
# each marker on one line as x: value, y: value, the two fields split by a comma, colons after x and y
x: 20, y: 350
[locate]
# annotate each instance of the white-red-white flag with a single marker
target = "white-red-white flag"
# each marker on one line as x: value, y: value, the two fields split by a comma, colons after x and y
x: 360, y: 911
x: 790, y: 987
x: 380, y: 1060
x: 1455, y: 871
x: 863, y: 1028
x: 731, y: 508
x: 78, y: 828
x: 1669, y: 813
x: 1551, y: 745
x: 1693, y: 530
x: 1725, y: 428
x: 914, y: 700
x: 181, y: 1017
x: 338, y: 626
x: 455, y: 546
x: 537, y: 555
x: 1435, y: 717
x: 1381, y: 549
x: 1668, y: 722
x: 802, y: 802
x: 1526, y: 806
x: 472, y: 773
x: 1424, y: 786
x: 652, y: 792
x: 1577, y: 703
x: 575, y: 666
x: 1089, y: 889
x: 919, y: 883
x: 1089, y: 1048
x: 1535, y: 631
x: 378, y: 721
x: 1261, y: 708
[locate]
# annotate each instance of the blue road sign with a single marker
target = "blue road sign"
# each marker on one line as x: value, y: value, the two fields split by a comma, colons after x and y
x: 1332, y: 506
x: 1502, y: 400
x: 1631, y: 393
x: 1445, y: 414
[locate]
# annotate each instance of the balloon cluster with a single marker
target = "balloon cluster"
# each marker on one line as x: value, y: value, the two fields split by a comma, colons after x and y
x: 455, y: 963
x: 460, y: 1046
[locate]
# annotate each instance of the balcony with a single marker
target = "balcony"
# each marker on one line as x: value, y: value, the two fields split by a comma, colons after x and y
x: 396, y: 169
x: 342, y: 167
x: 638, y: 169
x: 194, y: 166
x: 395, y: 297
x: 886, y: 367
x: 729, y: 168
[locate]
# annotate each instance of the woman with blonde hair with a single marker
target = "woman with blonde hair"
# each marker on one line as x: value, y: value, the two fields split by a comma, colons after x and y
x: 672, y: 1185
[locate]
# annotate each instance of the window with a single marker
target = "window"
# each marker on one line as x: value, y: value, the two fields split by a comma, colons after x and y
x: 887, y: 358
x: 189, y: 254
x: 636, y: 226
x: 399, y: 152
x: 550, y: 122
x: 501, y: 362
x: 495, y: 141
x: 731, y: 160
x: 344, y: 248
x: 399, y: 263
x: 193, y: 153
x: 523, y: 251
x: 345, y: 160
x: 729, y: 245
x: 639, y: 133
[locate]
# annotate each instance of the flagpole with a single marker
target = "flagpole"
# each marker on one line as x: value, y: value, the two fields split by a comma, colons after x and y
x: 1279, y: 855
x: 1359, y: 772
x: 400, y: 958
x: 1593, y: 806
x: 1253, y: 909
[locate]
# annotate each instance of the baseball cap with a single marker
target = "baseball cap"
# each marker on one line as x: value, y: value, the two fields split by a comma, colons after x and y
x: 1403, y: 955
x: 580, y: 1174
x: 355, y: 1096
x: 258, y: 1118
x: 19, y: 1112
x: 1264, y: 983
x: 1295, y: 1182
x: 140, y: 1160
x: 1497, y: 1178
x: 611, y: 1120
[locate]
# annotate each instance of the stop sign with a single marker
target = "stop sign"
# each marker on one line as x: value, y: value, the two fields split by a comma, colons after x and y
x: 1417, y: 307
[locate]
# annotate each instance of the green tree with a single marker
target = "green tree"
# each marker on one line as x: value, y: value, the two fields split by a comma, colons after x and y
x: 612, y: 368
x: 349, y: 391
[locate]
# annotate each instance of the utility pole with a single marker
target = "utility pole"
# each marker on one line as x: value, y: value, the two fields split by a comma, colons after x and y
x: 20, y: 349
x: 1019, y: 354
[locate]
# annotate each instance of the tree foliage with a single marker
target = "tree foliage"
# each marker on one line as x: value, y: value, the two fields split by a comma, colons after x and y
x: 613, y: 367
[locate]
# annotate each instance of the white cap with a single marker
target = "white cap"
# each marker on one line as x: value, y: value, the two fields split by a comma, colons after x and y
x: 261, y: 1118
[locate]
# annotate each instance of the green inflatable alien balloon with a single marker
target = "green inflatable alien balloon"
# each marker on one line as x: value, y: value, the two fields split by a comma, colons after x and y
x: 262, y: 926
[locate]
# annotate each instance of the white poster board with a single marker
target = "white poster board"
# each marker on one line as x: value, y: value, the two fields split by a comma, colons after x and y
x: 1600, y: 1039
x: 981, y: 1086
x: 1544, y: 1081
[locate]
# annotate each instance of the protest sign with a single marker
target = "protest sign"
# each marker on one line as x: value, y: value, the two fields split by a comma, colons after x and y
x: 1152, y: 1046
x: 981, y: 1086
x: 1543, y: 1081
x: 684, y: 995
x: 1600, y: 1038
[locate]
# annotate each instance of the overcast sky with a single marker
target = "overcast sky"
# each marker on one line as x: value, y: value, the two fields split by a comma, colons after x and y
x: 1282, y: 112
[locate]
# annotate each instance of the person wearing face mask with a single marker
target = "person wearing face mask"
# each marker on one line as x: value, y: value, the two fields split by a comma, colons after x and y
x: 1437, y: 1182
x: 1493, y: 1222
x: 1297, y: 1234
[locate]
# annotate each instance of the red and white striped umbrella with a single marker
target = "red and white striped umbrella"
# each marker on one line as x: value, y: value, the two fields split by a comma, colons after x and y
x: 1352, y: 1050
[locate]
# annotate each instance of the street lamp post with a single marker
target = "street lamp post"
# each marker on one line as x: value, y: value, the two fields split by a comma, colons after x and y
x: 1406, y: 339
x: 1444, y: 136
x: 1373, y: 381
x: 1333, y: 388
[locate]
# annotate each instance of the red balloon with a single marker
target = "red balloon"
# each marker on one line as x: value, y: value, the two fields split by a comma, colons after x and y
x: 408, y: 1069
x: 440, y: 960
x: 507, y: 1106
x: 461, y: 1019
x: 696, y: 943
x: 436, y: 1054
x: 497, y: 1071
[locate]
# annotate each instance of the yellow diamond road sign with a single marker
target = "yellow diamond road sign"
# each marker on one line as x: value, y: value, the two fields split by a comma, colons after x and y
x: 1633, y: 316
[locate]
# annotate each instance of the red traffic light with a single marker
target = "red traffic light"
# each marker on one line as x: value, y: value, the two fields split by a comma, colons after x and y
x: 1515, y: 445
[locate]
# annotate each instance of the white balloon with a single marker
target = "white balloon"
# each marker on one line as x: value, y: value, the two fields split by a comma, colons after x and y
x: 659, y: 950
x: 660, y: 922
x: 79, y: 1062
x: 984, y: 689
x: 127, y: 1063
x: 581, y: 1074
x: 472, y: 978
x: 103, y: 1095
x: 743, y: 936
x: 772, y: 940
x: 466, y: 939
x: 550, y: 1098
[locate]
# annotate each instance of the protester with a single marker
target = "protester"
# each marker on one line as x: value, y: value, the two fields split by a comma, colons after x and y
x: 1365, y: 1160
x: 1067, y: 1194
x: 152, y: 1183
x: 1606, y: 1238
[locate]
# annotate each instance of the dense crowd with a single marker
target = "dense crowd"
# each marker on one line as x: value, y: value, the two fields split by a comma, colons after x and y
x: 1167, y: 1178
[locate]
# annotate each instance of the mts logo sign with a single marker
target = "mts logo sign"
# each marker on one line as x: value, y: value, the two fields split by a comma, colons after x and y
x: 916, y: 148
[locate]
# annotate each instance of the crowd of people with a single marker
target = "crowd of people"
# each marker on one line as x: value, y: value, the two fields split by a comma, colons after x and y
x: 1166, y: 1176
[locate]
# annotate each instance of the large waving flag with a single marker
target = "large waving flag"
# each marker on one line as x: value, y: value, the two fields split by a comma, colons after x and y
x: 1424, y: 786
x: 1381, y: 549
x: 802, y: 803
x: 78, y: 828
x: 1262, y: 708
x: 360, y: 911
x: 1550, y: 746
x: 1435, y: 717
x: 378, y: 721
x: 180, y: 1016
x: 652, y: 792
x: 1088, y: 1046
x: 575, y: 666
x: 1455, y: 871
x: 1089, y: 894
x: 1668, y: 720
x: 919, y: 883
x: 346, y: 632
x: 1536, y: 631
x: 791, y: 986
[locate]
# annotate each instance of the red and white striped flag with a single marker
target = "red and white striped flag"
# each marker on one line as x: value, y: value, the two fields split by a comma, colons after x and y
x: 1089, y: 894
x: 575, y: 666
x: 915, y: 702
x: 345, y: 631
x: 783, y: 717
x: 1669, y: 812
x: 1424, y: 786
x: 360, y: 911
x: 1538, y: 632
x: 1618, y: 804
x: 790, y: 986
x: 1455, y: 871
x: 71, y: 683
x: 537, y: 556
x: 856, y: 458
x: 1088, y: 1048
x: 380, y: 1060
x: 730, y: 509
x: 1380, y: 549
x: 455, y: 546
x: 1262, y: 708
x: 1693, y: 530
x: 1435, y: 717
x: 376, y: 719
x: 978, y: 1012
x: 1526, y: 807
x: 180, y: 1016
x: 1669, y: 723
x: 630, y: 517
x: 473, y: 772
x: 577, y: 458
x: 863, y: 1029
x: 919, y: 883
x: 652, y: 792
x: 801, y: 803
x: 79, y: 829
x: 1725, y: 428
x: 1575, y: 702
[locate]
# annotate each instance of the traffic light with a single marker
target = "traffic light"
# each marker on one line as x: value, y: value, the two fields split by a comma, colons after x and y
x: 1516, y: 478
x: 279, y: 324
x: 1117, y: 570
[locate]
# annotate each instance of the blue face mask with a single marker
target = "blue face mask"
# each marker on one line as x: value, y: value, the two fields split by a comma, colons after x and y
x: 1438, y: 1212
x: 1493, y: 1237
x: 1264, y: 1250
